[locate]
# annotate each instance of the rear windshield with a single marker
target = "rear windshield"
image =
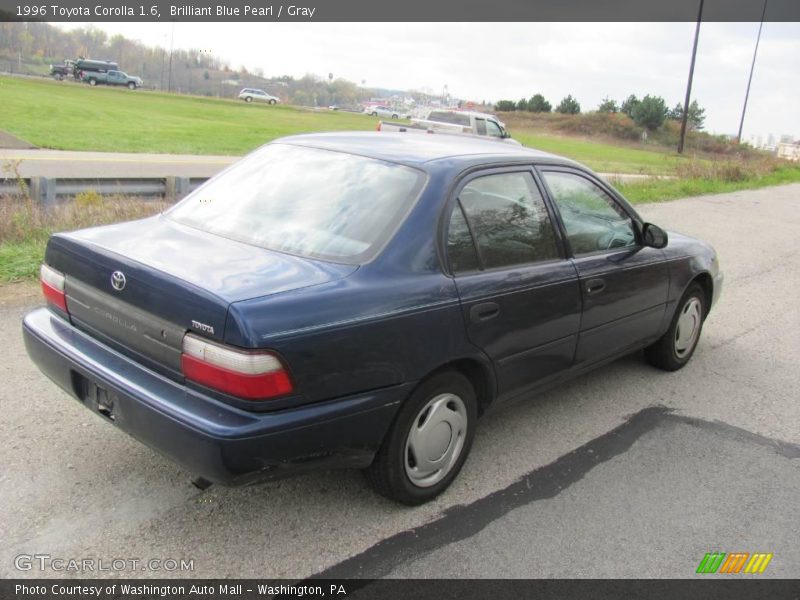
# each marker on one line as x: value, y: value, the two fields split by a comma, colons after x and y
x: 449, y: 117
x: 305, y: 201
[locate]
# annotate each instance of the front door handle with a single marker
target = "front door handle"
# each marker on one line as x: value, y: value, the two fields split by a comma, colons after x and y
x: 484, y: 311
x: 595, y: 286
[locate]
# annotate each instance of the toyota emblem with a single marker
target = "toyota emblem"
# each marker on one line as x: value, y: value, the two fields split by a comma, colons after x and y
x: 118, y: 280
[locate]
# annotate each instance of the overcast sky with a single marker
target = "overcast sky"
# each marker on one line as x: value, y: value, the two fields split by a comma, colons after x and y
x: 492, y: 61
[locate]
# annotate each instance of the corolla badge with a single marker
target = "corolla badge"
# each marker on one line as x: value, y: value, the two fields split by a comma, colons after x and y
x: 118, y: 280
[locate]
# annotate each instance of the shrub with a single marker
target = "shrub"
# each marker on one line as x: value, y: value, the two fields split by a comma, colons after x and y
x: 608, y: 106
x: 568, y: 106
x: 505, y: 105
x: 629, y: 105
x: 650, y: 112
x: 538, y: 104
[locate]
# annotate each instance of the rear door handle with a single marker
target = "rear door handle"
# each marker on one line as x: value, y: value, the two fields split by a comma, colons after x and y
x: 595, y: 286
x: 484, y: 311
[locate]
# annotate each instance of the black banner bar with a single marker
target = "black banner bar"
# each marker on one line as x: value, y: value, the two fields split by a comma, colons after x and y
x: 710, y: 588
x: 407, y: 10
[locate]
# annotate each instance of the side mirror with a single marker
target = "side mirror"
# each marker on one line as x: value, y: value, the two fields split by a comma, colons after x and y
x: 654, y: 236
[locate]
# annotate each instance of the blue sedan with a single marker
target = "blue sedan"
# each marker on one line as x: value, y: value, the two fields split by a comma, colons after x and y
x: 360, y: 300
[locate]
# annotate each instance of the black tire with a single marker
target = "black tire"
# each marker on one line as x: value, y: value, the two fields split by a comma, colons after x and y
x: 394, y: 116
x: 665, y: 353
x: 92, y: 81
x: 374, y: 114
x: 272, y: 101
x: 131, y: 85
x: 387, y: 473
x: 248, y: 99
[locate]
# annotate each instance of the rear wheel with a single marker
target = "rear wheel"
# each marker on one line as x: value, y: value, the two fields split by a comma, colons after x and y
x: 92, y: 81
x: 428, y: 442
x: 374, y: 114
x: 394, y: 116
x: 248, y: 99
x: 674, y: 349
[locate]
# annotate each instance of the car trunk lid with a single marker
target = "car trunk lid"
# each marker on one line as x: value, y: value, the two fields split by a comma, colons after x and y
x: 140, y: 286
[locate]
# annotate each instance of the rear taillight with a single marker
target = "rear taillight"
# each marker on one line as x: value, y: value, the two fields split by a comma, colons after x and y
x: 253, y: 375
x: 53, y: 287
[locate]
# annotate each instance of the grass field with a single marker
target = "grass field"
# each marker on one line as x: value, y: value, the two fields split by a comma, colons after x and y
x: 602, y: 157
x: 70, y: 116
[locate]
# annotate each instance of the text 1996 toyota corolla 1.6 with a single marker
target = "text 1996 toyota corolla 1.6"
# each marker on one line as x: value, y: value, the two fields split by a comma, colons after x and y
x: 360, y: 299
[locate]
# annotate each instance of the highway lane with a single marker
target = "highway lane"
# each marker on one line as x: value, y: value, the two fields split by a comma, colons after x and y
x: 62, y: 163
x: 74, y: 164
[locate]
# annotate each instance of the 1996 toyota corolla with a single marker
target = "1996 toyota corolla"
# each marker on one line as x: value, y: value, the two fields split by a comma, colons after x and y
x: 360, y: 299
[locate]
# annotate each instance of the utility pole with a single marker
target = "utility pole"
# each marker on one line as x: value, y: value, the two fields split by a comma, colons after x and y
x: 750, y: 79
x: 171, y: 45
x: 689, y: 82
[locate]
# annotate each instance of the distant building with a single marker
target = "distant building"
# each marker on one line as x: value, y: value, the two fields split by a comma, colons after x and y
x: 789, y: 151
x: 756, y: 141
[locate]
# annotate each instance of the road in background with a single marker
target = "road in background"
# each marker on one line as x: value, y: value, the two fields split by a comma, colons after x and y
x: 717, y: 473
x: 73, y: 164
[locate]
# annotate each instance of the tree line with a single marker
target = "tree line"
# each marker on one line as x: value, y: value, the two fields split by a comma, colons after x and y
x: 649, y: 112
x: 30, y: 48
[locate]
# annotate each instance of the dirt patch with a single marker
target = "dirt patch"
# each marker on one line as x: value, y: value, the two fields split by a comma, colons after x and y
x: 13, y: 142
x: 20, y: 293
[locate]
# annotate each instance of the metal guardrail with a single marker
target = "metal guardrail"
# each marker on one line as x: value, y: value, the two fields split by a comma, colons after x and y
x: 49, y: 190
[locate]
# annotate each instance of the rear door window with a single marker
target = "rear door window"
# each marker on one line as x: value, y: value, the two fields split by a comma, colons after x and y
x: 508, y: 219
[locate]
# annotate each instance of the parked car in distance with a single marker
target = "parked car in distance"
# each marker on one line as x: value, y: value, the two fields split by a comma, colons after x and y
x: 454, y: 122
x: 255, y: 95
x: 113, y: 78
x: 360, y: 300
x: 385, y: 111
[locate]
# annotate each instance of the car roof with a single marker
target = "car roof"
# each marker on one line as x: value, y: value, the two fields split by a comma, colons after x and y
x: 418, y: 149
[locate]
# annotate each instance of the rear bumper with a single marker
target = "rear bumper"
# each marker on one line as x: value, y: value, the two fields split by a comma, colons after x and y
x: 222, y: 443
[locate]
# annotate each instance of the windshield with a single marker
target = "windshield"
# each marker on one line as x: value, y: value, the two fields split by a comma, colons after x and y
x: 305, y: 201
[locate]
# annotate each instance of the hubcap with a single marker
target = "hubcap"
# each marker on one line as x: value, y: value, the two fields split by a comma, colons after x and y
x: 688, y: 328
x: 436, y: 439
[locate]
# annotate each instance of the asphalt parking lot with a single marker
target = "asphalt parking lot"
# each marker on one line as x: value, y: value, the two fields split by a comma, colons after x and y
x: 627, y: 471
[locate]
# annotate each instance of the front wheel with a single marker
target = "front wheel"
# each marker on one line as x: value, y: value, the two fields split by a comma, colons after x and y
x: 131, y: 86
x: 429, y: 441
x: 272, y: 101
x: 674, y: 349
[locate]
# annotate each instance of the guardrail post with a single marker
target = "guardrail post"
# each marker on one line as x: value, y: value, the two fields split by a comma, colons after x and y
x: 43, y: 190
x: 176, y: 188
